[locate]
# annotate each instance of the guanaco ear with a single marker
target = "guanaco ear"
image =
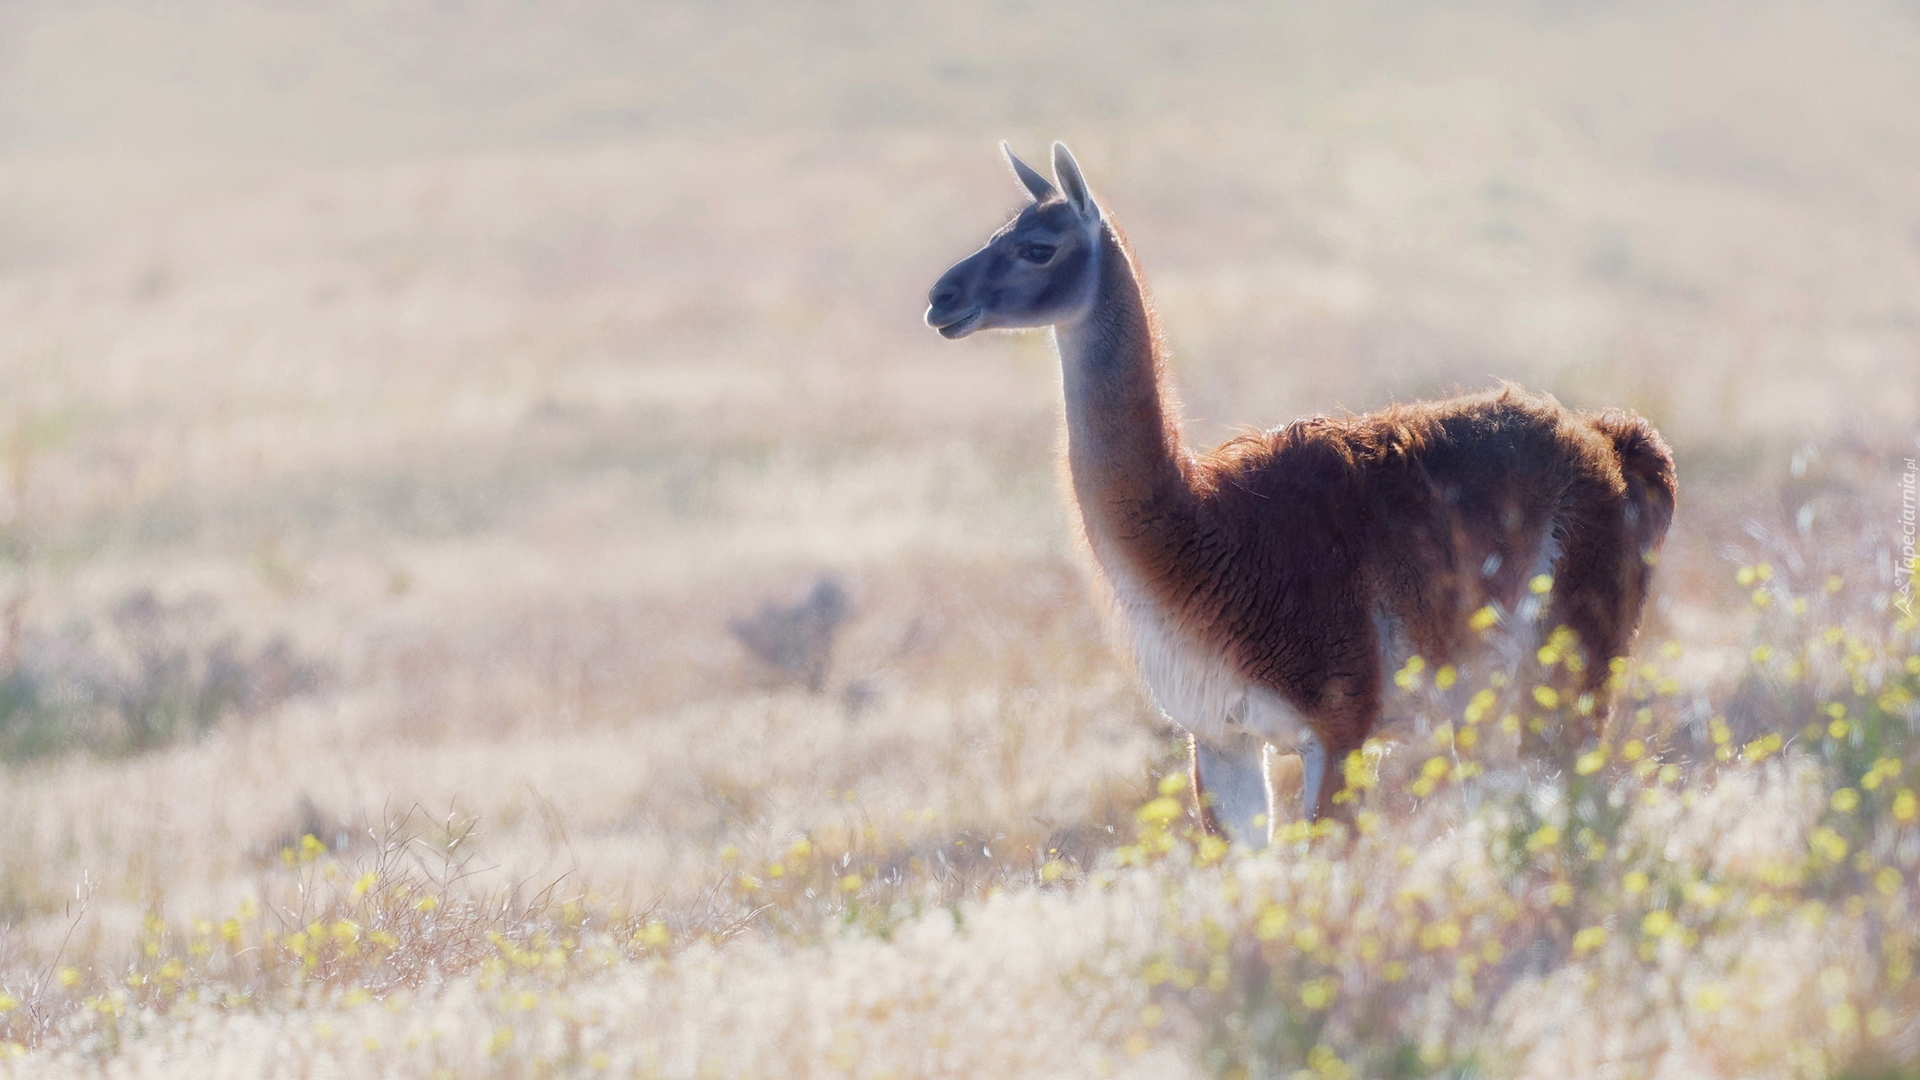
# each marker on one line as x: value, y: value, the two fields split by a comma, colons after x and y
x: 1036, y: 184
x: 1067, y: 172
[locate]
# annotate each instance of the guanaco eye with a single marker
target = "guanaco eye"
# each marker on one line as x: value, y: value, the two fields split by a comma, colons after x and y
x: 1037, y: 253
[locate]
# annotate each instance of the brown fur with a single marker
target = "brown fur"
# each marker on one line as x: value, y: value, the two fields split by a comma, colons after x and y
x: 1278, y: 547
x: 1399, y: 511
x: 1277, y: 551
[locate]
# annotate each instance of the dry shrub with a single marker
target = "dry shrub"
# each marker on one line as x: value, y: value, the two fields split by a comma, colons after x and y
x: 149, y: 673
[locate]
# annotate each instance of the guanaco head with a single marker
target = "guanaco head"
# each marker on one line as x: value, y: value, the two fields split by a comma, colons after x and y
x: 1039, y: 270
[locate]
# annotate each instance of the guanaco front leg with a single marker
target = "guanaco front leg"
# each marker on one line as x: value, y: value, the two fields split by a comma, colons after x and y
x: 1315, y: 793
x: 1230, y: 781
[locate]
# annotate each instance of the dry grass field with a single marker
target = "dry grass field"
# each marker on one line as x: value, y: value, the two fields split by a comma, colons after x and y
x: 410, y: 414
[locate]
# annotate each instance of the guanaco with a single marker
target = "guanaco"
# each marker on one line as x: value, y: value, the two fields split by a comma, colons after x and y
x: 1269, y: 583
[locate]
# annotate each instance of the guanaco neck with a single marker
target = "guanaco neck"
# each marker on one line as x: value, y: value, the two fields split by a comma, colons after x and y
x: 1129, y: 467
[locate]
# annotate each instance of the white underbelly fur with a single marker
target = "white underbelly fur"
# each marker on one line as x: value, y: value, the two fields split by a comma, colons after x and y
x: 1195, y: 684
x: 1197, y: 687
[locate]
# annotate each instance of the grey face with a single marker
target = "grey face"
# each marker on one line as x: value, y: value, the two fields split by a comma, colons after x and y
x: 1039, y: 270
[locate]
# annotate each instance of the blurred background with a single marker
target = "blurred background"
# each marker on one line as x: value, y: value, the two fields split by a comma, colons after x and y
x: 522, y: 412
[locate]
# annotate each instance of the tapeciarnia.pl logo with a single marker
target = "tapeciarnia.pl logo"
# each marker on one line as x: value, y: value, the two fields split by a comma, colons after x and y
x: 1904, y: 573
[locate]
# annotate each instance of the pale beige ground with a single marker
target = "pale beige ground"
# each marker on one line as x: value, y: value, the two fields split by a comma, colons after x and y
x: 497, y: 357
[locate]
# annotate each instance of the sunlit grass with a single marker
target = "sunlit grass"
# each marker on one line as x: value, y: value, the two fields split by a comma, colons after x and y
x: 500, y: 440
x: 1661, y: 888
x: 1747, y: 904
